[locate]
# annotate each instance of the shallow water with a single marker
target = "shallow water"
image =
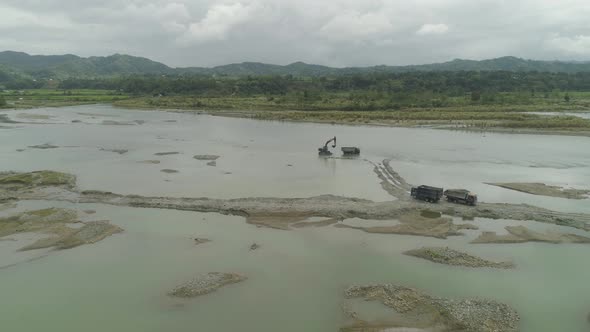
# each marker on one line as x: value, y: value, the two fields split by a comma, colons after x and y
x: 296, y: 278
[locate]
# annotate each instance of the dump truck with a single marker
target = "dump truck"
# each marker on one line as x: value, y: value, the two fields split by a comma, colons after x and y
x: 350, y: 150
x: 462, y: 196
x: 427, y: 193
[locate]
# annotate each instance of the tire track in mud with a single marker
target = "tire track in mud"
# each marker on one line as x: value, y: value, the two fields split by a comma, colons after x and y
x: 391, y: 181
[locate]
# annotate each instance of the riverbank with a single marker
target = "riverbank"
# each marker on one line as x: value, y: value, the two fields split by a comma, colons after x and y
x: 415, y: 217
x: 552, y: 116
x: 513, y: 119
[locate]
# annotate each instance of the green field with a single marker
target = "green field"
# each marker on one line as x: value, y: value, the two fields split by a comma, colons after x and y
x: 340, y: 109
x: 57, y: 98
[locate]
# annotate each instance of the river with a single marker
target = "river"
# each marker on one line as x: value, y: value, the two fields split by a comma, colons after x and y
x: 296, y: 278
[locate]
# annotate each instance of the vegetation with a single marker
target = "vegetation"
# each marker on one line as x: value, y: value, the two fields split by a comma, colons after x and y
x: 36, y: 179
x: 57, y: 67
x: 55, y: 222
x: 57, y: 98
x: 424, y: 89
x: 463, y: 113
x: 378, y: 95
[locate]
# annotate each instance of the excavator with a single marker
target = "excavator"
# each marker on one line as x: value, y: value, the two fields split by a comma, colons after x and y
x: 324, y: 151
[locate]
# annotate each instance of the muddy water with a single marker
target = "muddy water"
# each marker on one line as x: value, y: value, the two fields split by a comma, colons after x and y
x: 296, y: 278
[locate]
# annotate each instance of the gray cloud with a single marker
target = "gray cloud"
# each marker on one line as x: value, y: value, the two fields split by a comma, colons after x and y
x: 334, y: 32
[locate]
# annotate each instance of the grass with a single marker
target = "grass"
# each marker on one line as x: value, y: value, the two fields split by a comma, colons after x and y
x: 337, y: 108
x: 58, y: 98
x: 358, y: 102
x: 40, y: 179
x: 37, y: 220
x: 504, y: 110
x: 44, y: 212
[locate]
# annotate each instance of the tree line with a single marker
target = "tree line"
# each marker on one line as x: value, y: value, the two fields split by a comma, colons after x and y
x: 447, y: 83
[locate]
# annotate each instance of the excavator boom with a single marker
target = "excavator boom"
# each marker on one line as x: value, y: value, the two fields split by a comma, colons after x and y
x: 328, y: 142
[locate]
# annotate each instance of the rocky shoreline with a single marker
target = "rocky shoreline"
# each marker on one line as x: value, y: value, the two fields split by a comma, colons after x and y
x: 420, y: 310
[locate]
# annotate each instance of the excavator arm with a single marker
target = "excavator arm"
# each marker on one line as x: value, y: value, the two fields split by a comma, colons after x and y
x: 328, y: 142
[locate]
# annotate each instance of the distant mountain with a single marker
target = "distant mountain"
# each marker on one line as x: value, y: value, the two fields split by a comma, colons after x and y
x: 64, y: 66
x: 507, y: 63
x: 18, y: 64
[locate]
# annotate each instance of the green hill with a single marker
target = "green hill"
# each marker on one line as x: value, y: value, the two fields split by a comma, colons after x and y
x: 64, y: 66
x: 22, y: 65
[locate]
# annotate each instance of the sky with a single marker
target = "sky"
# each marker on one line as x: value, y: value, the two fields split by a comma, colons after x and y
x: 337, y: 33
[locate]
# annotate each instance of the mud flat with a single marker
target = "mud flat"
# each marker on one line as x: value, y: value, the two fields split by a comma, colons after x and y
x: 205, y: 284
x: 67, y: 238
x: 208, y: 157
x: 55, y: 222
x: 201, y: 240
x: 414, y: 223
x: 34, y: 116
x: 119, y: 151
x: 98, y: 114
x: 166, y: 153
x: 44, y: 146
x: 445, y: 255
x: 521, y: 234
x: 118, y: 123
x: 12, y: 181
x: 281, y: 212
x: 542, y: 189
x: 277, y: 220
x: 319, y: 223
x: 417, y: 310
x: 33, y: 221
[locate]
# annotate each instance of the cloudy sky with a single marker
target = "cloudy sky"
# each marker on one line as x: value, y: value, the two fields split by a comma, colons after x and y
x: 328, y: 32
